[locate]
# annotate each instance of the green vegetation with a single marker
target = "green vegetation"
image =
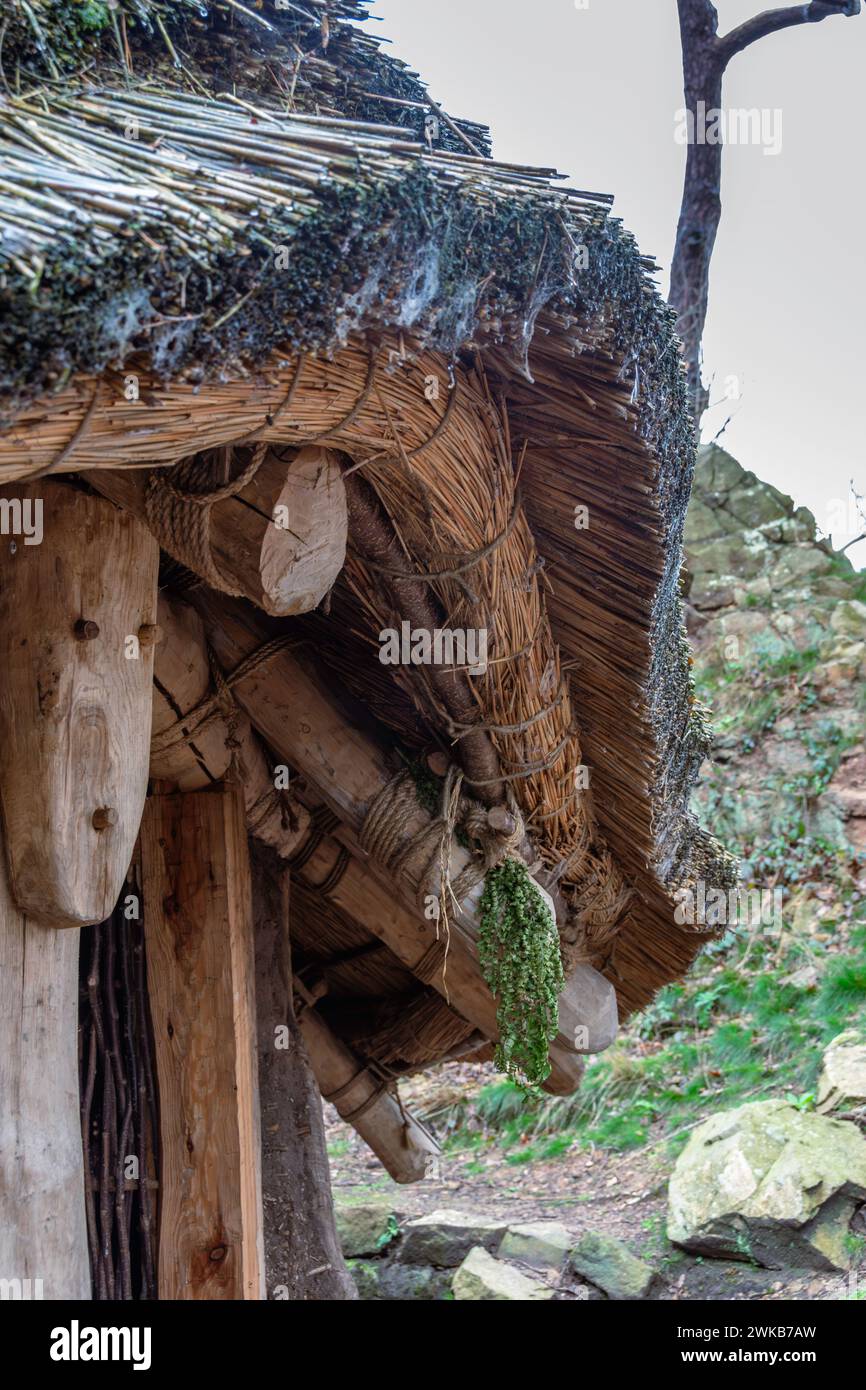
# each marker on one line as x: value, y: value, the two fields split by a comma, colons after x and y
x: 738, y: 1028
x: 391, y: 1232
x: 518, y: 946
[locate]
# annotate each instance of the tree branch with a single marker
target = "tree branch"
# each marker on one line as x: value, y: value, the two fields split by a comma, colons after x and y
x: 771, y: 21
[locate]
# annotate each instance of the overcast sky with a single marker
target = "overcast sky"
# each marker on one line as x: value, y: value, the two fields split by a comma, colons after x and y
x: 593, y: 88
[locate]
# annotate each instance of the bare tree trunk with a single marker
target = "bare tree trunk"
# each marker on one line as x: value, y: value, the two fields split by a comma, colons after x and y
x: 701, y: 208
x: 705, y: 57
x: 302, y: 1252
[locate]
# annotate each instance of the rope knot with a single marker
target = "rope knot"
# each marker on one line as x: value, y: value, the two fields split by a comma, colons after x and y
x: 426, y: 855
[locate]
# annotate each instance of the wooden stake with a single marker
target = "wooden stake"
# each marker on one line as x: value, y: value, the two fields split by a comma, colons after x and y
x: 282, y: 540
x: 404, y: 1146
x: 302, y: 1249
x: 43, y: 1232
x: 75, y: 702
x: 200, y: 967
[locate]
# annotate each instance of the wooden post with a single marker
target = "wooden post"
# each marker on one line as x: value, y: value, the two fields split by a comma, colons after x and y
x: 302, y: 1249
x: 282, y: 540
x: 181, y: 679
x: 76, y: 611
x: 43, y: 1232
x: 301, y: 718
x: 200, y: 968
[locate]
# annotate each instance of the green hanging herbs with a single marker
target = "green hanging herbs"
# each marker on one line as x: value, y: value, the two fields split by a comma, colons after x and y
x: 518, y: 946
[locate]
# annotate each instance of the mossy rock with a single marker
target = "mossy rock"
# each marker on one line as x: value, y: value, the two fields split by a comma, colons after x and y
x: 482, y: 1278
x: 444, y: 1238
x: 541, y: 1244
x: 769, y: 1183
x: 849, y: 618
x: 608, y: 1264
x: 366, y: 1276
x: 365, y: 1228
x: 842, y: 1084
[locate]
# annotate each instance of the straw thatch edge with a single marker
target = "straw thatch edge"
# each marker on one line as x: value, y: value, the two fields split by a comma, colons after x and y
x: 360, y: 263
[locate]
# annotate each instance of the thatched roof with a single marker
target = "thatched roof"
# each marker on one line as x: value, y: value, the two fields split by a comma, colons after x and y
x: 140, y: 224
x: 305, y: 53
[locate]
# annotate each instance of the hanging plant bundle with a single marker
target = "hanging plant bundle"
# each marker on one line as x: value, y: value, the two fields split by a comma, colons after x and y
x: 519, y: 951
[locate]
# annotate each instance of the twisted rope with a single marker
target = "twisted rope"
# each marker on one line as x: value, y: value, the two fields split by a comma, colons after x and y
x: 219, y: 703
x: 178, y: 506
x: 426, y: 855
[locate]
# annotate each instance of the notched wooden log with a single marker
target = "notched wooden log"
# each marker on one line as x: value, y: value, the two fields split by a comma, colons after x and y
x: 281, y: 541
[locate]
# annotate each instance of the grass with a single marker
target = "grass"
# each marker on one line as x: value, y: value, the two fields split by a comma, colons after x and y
x: 735, y: 1030
x: 752, y: 1018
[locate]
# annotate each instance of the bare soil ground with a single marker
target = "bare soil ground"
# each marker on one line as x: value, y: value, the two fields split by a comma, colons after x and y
x: 618, y: 1194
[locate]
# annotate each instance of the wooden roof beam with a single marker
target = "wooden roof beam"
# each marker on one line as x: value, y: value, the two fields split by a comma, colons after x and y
x: 280, y: 541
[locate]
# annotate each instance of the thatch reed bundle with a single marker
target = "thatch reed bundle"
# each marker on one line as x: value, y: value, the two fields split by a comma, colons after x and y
x: 301, y: 51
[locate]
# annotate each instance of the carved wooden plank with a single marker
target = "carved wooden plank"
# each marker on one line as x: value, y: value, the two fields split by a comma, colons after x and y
x: 43, y: 1233
x: 76, y: 614
x: 200, y: 967
x: 282, y: 540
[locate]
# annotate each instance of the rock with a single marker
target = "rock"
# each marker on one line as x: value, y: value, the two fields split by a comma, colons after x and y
x: 714, y: 599
x: 445, y: 1238
x: 363, y: 1227
x: 803, y: 525
x: 727, y: 558
x: 412, y: 1283
x: 541, y: 1244
x: 717, y: 471
x: 842, y: 1084
x: 704, y: 523
x: 834, y: 675
x: 366, y: 1276
x: 756, y: 506
x: 831, y: 586
x: 796, y: 565
x: 611, y: 1266
x: 830, y: 1233
x: 847, y: 791
x: 745, y: 622
x: 482, y: 1278
x: 754, y: 595
x: 788, y: 755
x: 385, y: 1280
x: 849, y: 618
x: 769, y: 1183
x: 806, y: 978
